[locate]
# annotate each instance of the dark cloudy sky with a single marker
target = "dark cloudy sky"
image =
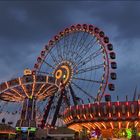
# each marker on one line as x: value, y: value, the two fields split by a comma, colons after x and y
x: 25, y: 27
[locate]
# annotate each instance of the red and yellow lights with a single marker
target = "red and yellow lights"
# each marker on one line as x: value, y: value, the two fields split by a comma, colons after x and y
x: 114, y: 118
x: 64, y: 72
x: 29, y: 86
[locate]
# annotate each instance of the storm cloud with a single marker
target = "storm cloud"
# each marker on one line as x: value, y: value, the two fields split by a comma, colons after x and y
x: 25, y: 27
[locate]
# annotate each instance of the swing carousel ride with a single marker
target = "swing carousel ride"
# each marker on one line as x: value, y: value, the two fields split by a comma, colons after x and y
x: 26, y: 91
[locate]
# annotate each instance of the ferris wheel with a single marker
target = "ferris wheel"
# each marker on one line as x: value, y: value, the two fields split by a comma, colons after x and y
x: 82, y: 58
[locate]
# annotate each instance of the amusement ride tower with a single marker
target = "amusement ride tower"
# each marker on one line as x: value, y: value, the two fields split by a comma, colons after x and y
x: 28, y: 90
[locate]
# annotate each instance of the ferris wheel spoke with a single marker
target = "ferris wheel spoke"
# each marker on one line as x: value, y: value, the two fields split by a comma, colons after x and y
x: 95, y: 67
x: 64, y: 54
x: 81, y: 38
x: 74, y: 42
x: 53, y: 58
x: 88, y: 80
x: 73, y: 38
x: 92, y: 56
x: 91, y: 45
x: 81, y: 44
x: 71, y: 52
x: 66, y: 46
x: 88, y: 48
x: 83, y: 91
x: 59, y: 50
x: 77, y: 53
x: 48, y: 64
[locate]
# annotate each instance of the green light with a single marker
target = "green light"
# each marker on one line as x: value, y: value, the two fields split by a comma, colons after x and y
x: 30, y: 129
x: 18, y: 129
x: 129, y: 133
x: 33, y: 129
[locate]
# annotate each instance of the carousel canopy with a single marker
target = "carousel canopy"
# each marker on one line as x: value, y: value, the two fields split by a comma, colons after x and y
x: 28, y: 86
x: 108, y: 115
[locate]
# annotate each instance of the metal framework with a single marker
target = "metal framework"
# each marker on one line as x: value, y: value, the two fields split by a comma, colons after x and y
x: 106, y: 119
x: 82, y: 58
x: 104, y: 116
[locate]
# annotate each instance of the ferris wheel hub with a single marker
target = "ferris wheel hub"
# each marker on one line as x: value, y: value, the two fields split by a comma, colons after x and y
x: 64, y: 72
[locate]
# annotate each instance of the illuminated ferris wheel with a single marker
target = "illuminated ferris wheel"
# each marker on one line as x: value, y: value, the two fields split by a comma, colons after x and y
x: 82, y: 58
